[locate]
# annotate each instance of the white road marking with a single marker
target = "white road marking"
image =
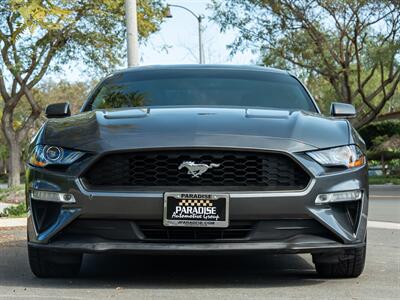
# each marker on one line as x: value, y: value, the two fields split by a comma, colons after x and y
x: 31, y: 296
x: 384, y: 196
x: 383, y: 225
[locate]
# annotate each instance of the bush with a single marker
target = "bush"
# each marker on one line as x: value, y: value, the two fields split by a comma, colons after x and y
x: 3, y: 178
x: 392, y: 166
x: 13, y: 195
x: 374, y: 130
x: 15, y: 211
x: 384, y: 180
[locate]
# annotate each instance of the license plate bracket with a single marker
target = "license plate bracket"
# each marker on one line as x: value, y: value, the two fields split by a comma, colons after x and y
x: 196, y: 209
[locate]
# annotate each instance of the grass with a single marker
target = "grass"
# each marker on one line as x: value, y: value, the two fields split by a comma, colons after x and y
x: 384, y: 180
x: 15, y: 195
x: 15, y: 211
x: 8, y: 194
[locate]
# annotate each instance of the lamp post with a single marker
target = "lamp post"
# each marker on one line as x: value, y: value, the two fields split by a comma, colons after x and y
x: 132, y: 33
x: 199, y: 19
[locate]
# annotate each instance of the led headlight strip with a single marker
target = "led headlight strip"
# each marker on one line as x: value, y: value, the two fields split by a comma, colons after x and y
x: 43, y: 155
x: 52, y: 196
x: 338, y: 197
x: 346, y: 156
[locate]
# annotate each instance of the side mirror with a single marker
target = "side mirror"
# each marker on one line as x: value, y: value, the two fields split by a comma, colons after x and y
x: 58, y: 110
x: 342, y: 110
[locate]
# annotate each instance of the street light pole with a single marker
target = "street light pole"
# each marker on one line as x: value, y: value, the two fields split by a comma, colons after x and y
x: 199, y: 19
x: 132, y: 33
x: 201, y: 50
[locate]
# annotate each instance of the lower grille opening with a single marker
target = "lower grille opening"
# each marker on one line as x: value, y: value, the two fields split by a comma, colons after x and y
x: 153, y: 231
x: 156, y: 231
x: 44, y: 213
x: 352, y: 210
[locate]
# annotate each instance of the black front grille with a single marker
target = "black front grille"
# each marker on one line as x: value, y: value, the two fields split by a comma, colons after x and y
x: 156, y: 231
x: 237, y: 169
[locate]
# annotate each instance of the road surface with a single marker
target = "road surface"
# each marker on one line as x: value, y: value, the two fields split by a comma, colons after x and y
x: 214, y: 277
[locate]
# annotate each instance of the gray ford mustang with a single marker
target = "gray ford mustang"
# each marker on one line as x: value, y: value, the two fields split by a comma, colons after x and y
x: 197, y: 159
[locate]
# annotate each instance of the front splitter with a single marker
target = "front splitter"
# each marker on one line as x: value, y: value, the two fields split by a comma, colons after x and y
x: 303, y: 244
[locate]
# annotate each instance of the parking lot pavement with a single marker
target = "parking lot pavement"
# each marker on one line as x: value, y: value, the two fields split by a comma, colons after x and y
x: 199, y: 277
x: 384, y: 204
x: 214, y: 277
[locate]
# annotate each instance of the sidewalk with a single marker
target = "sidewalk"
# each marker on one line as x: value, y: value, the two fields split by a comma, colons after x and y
x: 12, y: 222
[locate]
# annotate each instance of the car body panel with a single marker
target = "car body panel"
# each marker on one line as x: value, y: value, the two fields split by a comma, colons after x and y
x: 204, y: 126
x: 291, y: 133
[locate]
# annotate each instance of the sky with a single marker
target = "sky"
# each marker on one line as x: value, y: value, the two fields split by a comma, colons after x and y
x: 180, y: 35
x: 177, y: 42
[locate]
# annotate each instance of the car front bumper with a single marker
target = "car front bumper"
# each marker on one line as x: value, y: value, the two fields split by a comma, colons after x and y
x: 332, y: 228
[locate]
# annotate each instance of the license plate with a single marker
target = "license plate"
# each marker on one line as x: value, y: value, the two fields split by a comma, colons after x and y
x: 196, y: 209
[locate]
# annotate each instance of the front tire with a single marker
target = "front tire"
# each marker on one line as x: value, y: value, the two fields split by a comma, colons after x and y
x: 350, y: 265
x: 50, y: 264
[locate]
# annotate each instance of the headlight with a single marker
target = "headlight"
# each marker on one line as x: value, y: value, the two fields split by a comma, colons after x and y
x: 346, y: 156
x: 42, y: 156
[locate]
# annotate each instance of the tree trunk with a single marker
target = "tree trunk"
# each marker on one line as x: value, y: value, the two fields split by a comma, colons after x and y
x: 14, y: 165
x: 15, y: 137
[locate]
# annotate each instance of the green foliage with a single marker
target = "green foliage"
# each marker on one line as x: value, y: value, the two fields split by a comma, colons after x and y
x: 345, y: 50
x: 388, y: 155
x: 393, y: 164
x: 91, y: 31
x: 375, y: 133
x: 384, y: 180
x: 15, y: 211
x: 15, y: 195
x: 37, y: 36
x: 46, y: 93
x: 63, y: 91
x: 12, y: 194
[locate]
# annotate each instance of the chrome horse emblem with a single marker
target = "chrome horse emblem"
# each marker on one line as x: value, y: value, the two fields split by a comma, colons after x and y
x: 196, y: 169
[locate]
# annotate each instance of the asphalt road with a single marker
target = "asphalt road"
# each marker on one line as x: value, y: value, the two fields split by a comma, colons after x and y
x: 213, y: 277
x: 383, y: 204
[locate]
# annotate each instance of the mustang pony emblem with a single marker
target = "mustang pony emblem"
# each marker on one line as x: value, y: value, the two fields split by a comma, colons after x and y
x: 196, y: 169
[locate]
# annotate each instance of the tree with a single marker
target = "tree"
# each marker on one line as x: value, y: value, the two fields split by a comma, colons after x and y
x: 75, y: 93
x: 351, y: 45
x: 37, y: 36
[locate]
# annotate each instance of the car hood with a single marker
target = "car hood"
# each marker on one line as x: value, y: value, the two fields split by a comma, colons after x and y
x: 280, y: 130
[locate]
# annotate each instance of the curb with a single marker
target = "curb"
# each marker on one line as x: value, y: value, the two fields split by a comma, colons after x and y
x: 383, y: 225
x: 12, y: 222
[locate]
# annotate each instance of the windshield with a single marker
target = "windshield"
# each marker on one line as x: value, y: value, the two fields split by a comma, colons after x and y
x: 245, y: 89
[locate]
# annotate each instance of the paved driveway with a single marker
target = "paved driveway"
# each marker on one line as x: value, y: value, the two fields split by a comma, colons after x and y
x: 211, y: 277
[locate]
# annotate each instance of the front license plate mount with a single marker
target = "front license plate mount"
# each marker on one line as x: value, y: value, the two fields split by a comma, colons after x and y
x: 188, y: 209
